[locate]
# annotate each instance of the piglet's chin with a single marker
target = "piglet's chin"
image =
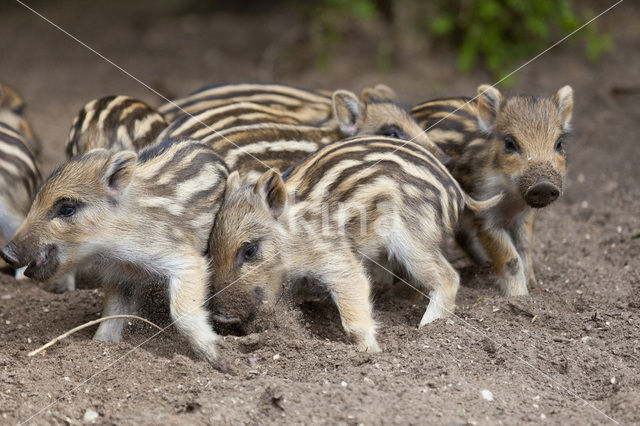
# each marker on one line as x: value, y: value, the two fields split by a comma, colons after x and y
x: 45, y: 265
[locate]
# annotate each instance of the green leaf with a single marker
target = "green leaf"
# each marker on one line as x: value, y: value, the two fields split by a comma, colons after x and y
x: 488, y: 9
x: 597, y: 44
x: 442, y: 24
x: 467, y: 55
x: 363, y: 9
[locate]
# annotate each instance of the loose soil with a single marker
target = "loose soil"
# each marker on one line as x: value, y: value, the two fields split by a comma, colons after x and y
x: 567, y: 354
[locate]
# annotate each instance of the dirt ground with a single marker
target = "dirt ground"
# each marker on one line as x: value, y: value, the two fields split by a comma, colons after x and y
x: 567, y: 354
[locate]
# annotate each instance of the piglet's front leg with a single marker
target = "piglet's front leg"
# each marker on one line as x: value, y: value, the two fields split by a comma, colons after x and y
x: 522, y: 234
x: 350, y: 288
x: 187, y: 298
x: 507, y: 263
x: 117, y: 301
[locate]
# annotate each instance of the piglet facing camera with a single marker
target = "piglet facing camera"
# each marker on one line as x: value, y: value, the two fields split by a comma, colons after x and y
x: 515, y: 145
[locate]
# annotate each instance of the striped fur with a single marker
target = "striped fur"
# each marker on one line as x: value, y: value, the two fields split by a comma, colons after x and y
x: 451, y: 123
x: 19, y: 179
x: 513, y: 146
x: 12, y: 113
x: 306, y: 106
x: 350, y: 205
x: 135, y: 220
x: 253, y: 138
x: 117, y: 123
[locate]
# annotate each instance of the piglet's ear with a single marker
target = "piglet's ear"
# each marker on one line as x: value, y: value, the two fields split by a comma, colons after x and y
x: 233, y: 181
x: 489, y: 99
x: 271, y: 188
x: 380, y: 92
x: 348, y: 110
x: 564, y: 99
x: 118, y: 171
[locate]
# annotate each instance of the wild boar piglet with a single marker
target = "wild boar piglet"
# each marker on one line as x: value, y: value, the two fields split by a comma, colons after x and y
x: 134, y: 219
x: 252, y: 138
x: 116, y: 123
x: 354, y: 203
x: 516, y: 146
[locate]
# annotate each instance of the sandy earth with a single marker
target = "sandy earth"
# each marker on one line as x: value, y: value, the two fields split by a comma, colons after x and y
x: 569, y: 353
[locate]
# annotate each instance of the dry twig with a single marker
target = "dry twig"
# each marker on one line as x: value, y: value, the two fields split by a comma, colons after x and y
x: 88, y: 324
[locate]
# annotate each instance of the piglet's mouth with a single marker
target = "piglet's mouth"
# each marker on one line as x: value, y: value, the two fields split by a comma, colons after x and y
x: 244, y: 307
x: 223, y: 319
x: 44, y: 266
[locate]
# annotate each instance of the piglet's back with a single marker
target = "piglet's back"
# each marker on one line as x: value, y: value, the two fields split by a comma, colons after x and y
x: 365, y: 170
x: 180, y: 184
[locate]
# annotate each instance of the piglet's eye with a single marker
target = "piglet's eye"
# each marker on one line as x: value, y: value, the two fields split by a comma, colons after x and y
x: 65, y: 207
x: 66, y: 210
x: 510, y: 145
x: 247, y: 253
x: 560, y: 145
x: 250, y: 251
x: 392, y: 131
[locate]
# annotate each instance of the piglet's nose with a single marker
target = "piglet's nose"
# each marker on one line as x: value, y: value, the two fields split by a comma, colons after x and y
x: 221, y: 310
x: 542, y: 193
x: 8, y: 253
x: 220, y: 316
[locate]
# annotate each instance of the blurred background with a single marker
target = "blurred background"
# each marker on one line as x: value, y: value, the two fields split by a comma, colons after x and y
x: 421, y: 49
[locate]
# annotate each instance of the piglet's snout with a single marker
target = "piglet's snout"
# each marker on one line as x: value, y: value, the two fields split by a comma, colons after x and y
x: 540, y: 185
x: 542, y: 193
x: 9, y: 254
x: 221, y: 316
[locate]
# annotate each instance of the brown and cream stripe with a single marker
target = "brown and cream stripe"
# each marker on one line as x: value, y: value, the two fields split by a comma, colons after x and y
x: 115, y: 123
x: 252, y: 138
x: 19, y: 178
x: 12, y: 113
x: 306, y: 106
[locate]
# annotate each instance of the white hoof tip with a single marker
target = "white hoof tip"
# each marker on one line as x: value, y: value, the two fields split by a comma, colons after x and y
x: 370, y: 346
x: 428, y: 319
x: 107, y: 337
x: 19, y: 276
x: 516, y: 293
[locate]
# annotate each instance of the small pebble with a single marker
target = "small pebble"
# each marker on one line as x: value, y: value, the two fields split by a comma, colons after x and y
x: 343, y: 384
x: 486, y: 394
x: 90, y: 416
x: 276, y: 357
